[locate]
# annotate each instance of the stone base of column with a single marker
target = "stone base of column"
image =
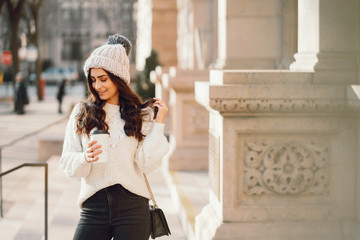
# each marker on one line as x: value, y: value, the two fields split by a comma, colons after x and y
x: 285, y: 231
x: 327, y: 67
x: 189, y: 159
x: 206, y: 223
x: 208, y: 226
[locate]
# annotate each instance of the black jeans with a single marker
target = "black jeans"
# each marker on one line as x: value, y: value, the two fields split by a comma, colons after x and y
x: 114, y: 212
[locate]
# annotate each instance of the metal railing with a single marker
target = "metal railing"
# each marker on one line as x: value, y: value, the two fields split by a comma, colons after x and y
x: 45, y: 165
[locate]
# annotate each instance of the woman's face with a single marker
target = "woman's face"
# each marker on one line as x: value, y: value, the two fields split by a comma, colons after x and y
x: 104, y: 86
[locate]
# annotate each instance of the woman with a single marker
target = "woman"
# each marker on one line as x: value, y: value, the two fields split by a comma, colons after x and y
x: 113, y: 195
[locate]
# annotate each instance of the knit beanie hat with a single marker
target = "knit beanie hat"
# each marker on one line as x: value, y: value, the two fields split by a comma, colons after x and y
x: 112, y: 56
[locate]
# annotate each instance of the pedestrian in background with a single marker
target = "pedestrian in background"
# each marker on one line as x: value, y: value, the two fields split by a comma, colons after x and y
x: 114, y: 199
x: 21, y: 96
x: 60, y: 93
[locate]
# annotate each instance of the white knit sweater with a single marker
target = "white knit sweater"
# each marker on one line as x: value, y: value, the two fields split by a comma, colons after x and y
x: 129, y: 159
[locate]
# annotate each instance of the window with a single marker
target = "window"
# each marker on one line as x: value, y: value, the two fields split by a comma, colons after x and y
x: 71, y: 50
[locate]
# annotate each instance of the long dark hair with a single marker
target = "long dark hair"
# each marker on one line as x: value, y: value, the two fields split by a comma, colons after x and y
x: 92, y: 114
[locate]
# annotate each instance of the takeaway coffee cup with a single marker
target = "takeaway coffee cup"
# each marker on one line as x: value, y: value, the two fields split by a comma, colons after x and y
x: 103, y: 138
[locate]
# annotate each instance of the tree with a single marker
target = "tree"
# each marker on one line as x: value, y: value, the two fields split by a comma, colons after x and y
x: 1, y: 4
x: 15, y: 11
x: 33, y: 22
x: 144, y: 87
x: 29, y: 11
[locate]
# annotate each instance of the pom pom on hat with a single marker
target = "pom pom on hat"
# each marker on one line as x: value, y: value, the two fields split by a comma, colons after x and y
x: 120, y: 39
x: 112, y: 56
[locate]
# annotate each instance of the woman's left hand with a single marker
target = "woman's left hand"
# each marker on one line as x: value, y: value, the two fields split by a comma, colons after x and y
x: 162, y: 110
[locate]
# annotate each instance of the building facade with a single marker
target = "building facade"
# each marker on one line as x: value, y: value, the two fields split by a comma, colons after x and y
x: 70, y: 30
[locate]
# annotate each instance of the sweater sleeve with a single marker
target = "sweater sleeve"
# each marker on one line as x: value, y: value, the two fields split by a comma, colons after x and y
x: 153, y: 148
x: 72, y: 159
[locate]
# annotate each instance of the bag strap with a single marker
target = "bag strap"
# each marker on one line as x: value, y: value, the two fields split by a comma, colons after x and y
x: 150, y: 192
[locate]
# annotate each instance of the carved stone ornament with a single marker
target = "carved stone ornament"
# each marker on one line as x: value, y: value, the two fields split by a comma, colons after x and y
x: 289, y: 168
x: 282, y: 105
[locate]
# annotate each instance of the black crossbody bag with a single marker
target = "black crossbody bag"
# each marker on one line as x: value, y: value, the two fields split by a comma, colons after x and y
x: 159, y: 226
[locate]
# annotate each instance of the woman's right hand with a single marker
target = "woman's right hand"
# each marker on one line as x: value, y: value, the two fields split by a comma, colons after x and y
x: 92, y: 151
x: 161, y: 110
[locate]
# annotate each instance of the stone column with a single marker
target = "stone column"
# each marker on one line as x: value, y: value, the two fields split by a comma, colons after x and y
x: 327, y: 40
x: 185, y: 38
x: 289, y: 30
x: 282, y: 158
x: 160, y: 77
x: 189, y: 131
x: 164, y: 33
x: 143, y: 34
x: 204, y: 38
x: 195, y: 40
x: 255, y: 34
x: 156, y: 29
x: 189, y: 120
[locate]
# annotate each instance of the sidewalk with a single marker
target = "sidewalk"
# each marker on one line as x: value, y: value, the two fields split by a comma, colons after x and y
x: 23, y: 210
